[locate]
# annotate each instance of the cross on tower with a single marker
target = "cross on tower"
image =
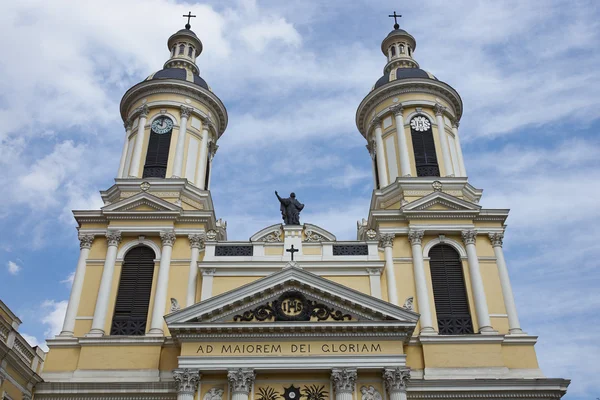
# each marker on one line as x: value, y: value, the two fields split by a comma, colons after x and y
x: 292, y: 250
x: 188, y: 26
x: 395, y: 16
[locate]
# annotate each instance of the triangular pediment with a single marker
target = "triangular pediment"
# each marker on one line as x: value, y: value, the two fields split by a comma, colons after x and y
x: 291, y: 296
x: 439, y: 201
x: 142, y: 202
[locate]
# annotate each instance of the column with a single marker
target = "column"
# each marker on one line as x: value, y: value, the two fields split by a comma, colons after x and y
x: 416, y: 239
x: 344, y: 380
x: 127, y: 126
x: 196, y: 243
x: 372, y: 149
x: 481, y: 308
x: 162, y: 284
x: 386, y: 240
x: 180, y: 147
x: 212, y: 150
x: 113, y: 238
x: 395, y: 381
x: 439, y: 114
x: 375, y: 281
x: 186, y: 382
x: 461, y: 161
x: 85, y: 244
x: 201, y: 177
x: 381, y: 170
x: 240, y: 383
x: 136, y: 158
x: 402, y: 144
x: 514, y: 327
x: 207, y: 283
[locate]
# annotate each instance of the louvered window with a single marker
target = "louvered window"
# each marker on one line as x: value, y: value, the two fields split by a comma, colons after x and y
x: 424, y: 147
x: 158, y: 155
x: 133, y: 296
x: 449, y: 291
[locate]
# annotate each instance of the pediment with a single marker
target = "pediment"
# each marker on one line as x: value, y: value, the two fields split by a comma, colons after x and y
x: 142, y: 202
x: 439, y: 201
x: 291, y: 297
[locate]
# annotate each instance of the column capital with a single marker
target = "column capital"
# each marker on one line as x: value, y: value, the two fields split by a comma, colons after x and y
x: 375, y: 123
x: 469, y: 236
x: 85, y: 240
x: 212, y: 149
x: 196, y: 240
x: 185, y: 111
x: 415, y: 237
x: 455, y: 123
x: 113, y: 237
x: 496, y: 239
x: 396, y: 379
x: 241, y: 380
x: 143, y: 111
x: 186, y: 380
x: 207, y: 124
x: 128, y: 124
x: 167, y: 238
x: 343, y: 380
x: 397, y: 109
x: 371, y: 148
x: 386, y: 239
x: 438, y: 109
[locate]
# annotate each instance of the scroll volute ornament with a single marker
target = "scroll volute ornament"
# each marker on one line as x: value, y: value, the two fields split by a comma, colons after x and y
x: 396, y: 379
x: 343, y: 380
x: 196, y: 240
x: 469, y: 237
x: 240, y: 380
x: 167, y: 238
x: 386, y: 239
x: 186, y: 380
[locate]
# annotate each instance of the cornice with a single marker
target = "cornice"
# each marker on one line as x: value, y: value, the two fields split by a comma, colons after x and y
x: 173, y: 86
x: 403, y: 86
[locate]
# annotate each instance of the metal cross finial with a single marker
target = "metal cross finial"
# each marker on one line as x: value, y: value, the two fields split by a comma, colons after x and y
x: 188, y: 26
x: 395, y: 16
x: 292, y: 250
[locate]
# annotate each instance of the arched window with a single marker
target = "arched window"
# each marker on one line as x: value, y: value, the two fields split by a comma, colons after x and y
x: 190, y: 51
x: 424, y: 147
x: 158, y: 148
x: 393, y: 51
x: 133, y: 296
x: 401, y: 49
x: 174, y: 49
x: 409, y: 51
x: 181, y: 48
x: 449, y: 291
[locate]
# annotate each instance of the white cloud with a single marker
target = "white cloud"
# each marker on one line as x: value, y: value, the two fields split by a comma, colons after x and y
x: 54, y: 316
x: 69, y: 279
x: 13, y: 268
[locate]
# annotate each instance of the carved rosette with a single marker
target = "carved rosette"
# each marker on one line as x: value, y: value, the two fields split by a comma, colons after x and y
x: 196, y: 241
x: 241, y: 380
x: 144, y: 111
x: 496, y: 239
x: 438, y: 109
x: 437, y: 186
x: 343, y: 380
x: 167, y: 238
x: 85, y: 240
x: 397, y: 109
x: 415, y: 237
x: 186, y: 380
x: 386, y: 239
x: 469, y: 237
x: 113, y: 238
x: 396, y: 379
x: 186, y: 111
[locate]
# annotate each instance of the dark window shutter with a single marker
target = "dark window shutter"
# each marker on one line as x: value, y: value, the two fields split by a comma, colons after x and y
x: 157, y: 155
x: 449, y: 291
x: 133, y: 295
x: 424, y: 149
x: 376, y: 173
x: 207, y: 175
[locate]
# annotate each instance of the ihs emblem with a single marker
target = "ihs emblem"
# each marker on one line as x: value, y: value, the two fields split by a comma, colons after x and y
x: 291, y: 393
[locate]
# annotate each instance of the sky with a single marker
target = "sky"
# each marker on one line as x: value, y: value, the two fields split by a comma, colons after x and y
x: 291, y: 75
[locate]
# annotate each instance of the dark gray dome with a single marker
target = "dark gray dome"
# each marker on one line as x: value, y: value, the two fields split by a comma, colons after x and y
x: 179, y: 74
x: 405, y: 73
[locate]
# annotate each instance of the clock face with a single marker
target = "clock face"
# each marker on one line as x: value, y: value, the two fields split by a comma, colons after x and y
x: 162, y: 125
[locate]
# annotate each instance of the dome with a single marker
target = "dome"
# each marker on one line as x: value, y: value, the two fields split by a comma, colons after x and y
x: 179, y: 74
x: 405, y: 73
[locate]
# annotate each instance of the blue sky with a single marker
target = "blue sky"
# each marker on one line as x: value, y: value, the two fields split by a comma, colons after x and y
x: 291, y: 75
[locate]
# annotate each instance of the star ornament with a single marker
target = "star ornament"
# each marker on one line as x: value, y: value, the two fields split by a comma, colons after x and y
x: 291, y: 393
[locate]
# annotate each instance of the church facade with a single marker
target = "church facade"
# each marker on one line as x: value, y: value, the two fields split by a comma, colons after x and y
x: 419, y: 306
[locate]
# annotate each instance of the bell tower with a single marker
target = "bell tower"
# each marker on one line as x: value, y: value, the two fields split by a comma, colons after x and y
x: 172, y: 119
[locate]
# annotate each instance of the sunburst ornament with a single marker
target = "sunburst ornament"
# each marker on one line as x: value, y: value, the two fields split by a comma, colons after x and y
x: 291, y: 393
x: 420, y: 124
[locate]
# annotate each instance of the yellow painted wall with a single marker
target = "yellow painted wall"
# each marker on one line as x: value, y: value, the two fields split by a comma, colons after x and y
x: 11, y: 390
x: 402, y: 247
x: 89, y: 292
x: 360, y: 283
x: 62, y: 359
x: 178, y: 280
x: 82, y: 327
x: 98, y: 250
x: 493, y: 289
x: 463, y: 355
x: 222, y: 284
x: 274, y: 250
x: 414, y: 357
x: 119, y: 357
x: 519, y: 356
x: 168, y: 358
x: 312, y: 250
